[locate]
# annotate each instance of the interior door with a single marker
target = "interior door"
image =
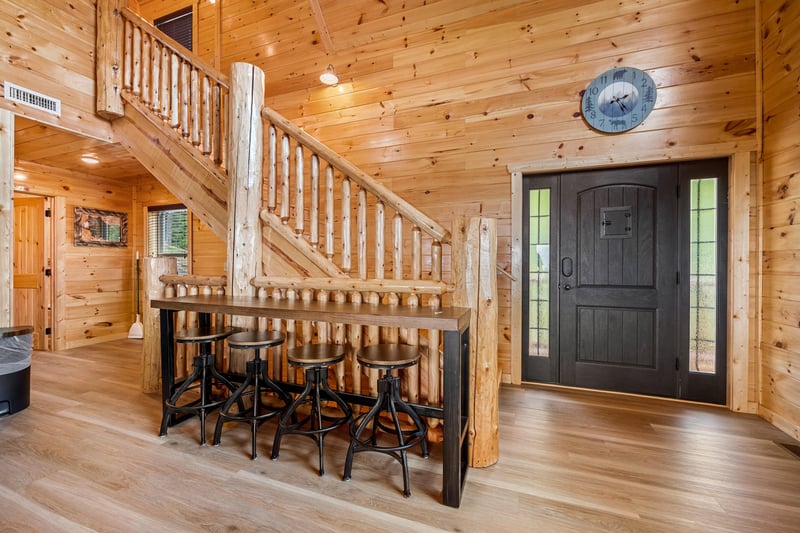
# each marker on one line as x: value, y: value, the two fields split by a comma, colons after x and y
x: 29, y: 266
x: 617, y: 286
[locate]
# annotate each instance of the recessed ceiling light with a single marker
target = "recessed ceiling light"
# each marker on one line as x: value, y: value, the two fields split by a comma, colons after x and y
x: 89, y: 159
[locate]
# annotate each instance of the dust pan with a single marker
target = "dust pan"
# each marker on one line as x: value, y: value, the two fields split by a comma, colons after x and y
x: 136, y: 331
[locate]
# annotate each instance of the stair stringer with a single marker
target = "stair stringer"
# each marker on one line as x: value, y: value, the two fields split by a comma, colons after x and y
x: 289, y: 255
x: 185, y: 172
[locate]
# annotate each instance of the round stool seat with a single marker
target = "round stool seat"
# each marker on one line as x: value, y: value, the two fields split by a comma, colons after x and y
x: 315, y: 354
x: 388, y: 356
x: 209, y: 334
x: 255, y: 339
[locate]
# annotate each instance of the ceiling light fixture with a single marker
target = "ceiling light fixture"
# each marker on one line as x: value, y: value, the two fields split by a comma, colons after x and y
x: 89, y: 159
x: 329, y: 77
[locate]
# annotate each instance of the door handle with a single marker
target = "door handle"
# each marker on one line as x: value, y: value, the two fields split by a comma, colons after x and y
x: 567, y: 287
x: 566, y: 267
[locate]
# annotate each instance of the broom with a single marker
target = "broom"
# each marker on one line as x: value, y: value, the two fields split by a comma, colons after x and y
x: 136, y: 331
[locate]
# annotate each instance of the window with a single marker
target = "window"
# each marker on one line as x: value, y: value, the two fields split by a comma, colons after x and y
x: 168, y: 234
x: 703, y: 275
x: 177, y: 25
x: 539, y: 273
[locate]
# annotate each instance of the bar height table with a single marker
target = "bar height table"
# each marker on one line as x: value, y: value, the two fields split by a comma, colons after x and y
x: 452, y: 321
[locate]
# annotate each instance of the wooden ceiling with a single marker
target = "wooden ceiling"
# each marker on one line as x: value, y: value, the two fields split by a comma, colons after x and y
x: 45, y: 145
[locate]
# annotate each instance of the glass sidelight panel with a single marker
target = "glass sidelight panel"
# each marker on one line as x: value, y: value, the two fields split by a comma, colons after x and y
x: 703, y: 281
x: 539, y: 273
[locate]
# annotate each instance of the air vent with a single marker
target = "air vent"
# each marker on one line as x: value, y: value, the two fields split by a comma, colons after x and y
x: 32, y: 98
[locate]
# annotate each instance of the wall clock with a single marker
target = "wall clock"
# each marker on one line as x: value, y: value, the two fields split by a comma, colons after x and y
x: 618, y: 99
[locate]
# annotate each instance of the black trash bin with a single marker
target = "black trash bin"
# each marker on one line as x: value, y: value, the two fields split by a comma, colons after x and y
x: 16, y: 347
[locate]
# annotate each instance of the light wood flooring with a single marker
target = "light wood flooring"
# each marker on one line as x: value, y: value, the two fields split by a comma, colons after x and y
x: 86, y: 456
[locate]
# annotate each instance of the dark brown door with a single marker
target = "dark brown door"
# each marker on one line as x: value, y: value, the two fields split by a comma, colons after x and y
x: 617, y: 280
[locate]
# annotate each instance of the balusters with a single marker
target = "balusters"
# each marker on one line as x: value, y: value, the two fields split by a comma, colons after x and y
x: 285, y: 169
x: 380, y: 246
x: 329, y: 213
x: 166, y: 61
x: 361, y: 222
x: 155, y: 82
x: 346, y: 230
x: 299, y: 189
x: 340, y: 337
x: 145, y: 66
x: 185, y: 99
x: 206, y: 149
x: 272, y: 171
x: 137, y: 61
x: 313, y: 214
x: 174, y: 94
x: 356, y: 342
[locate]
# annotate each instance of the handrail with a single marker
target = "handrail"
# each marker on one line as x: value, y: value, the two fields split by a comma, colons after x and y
x: 354, y: 284
x: 364, y: 180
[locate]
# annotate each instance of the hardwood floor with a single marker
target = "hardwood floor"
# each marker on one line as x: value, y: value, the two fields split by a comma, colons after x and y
x: 86, y: 456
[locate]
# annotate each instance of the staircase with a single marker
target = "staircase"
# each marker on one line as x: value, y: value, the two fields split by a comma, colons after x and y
x: 328, y: 230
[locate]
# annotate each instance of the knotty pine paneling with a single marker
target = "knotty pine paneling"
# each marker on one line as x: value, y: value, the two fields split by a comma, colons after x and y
x: 93, y: 286
x: 49, y: 48
x: 437, y: 98
x: 779, y: 399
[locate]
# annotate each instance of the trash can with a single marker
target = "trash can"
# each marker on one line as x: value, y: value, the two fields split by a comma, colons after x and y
x: 16, y: 347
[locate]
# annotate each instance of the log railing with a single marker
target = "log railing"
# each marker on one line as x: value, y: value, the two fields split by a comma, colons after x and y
x: 365, y: 229
x: 175, y: 87
x: 177, y: 285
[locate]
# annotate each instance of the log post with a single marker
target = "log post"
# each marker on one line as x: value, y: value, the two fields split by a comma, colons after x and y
x: 152, y: 289
x: 474, y: 256
x: 245, y: 156
x: 110, y: 50
x: 6, y: 218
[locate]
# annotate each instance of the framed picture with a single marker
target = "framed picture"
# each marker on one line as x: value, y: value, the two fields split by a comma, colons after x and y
x: 96, y: 227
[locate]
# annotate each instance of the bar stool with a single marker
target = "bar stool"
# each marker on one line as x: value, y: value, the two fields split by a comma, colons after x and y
x: 200, y: 378
x: 315, y: 358
x: 257, y: 377
x: 387, y: 357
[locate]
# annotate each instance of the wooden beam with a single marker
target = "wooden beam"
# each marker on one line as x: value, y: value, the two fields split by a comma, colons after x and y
x: 6, y: 217
x: 152, y: 288
x: 322, y: 26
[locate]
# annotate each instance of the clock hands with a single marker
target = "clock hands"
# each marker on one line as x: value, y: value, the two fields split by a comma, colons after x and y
x: 619, y: 101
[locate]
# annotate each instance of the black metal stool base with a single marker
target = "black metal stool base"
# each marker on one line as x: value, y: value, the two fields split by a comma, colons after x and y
x: 388, y: 401
x: 203, y: 372
x: 257, y: 379
x: 316, y: 424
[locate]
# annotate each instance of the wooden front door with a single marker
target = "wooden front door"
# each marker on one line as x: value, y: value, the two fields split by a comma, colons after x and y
x: 617, y: 280
x: 625, y: 287
x: 30, y: 302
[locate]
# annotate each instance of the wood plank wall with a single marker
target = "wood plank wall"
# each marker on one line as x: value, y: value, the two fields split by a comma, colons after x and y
x: 779, y: 384
x: 48, y: 47
x: 93, y: 285
x: 437, y: 98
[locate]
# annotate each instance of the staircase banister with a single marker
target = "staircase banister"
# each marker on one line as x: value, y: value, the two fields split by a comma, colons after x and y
x: 176, y: 48
x: 354, y: 284
x: 427, y: 224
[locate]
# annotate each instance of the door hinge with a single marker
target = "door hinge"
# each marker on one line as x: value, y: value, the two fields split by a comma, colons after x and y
x: 48, y: 331
x: 677, y: 364
x: 48, y: 272
x: 678, y: 191
x: 677, y: 278
x: 48, y: 213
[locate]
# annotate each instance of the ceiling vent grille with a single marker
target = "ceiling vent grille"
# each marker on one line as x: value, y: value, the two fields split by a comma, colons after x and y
x: 32, y: 98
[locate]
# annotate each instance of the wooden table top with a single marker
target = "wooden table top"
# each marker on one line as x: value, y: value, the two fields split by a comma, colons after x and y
x: 445, y: 318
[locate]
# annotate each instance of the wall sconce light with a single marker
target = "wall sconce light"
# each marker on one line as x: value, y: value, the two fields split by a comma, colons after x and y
x: 89, y: 159
x: 329, y: 77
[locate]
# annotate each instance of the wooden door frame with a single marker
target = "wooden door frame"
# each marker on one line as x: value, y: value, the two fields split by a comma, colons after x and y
x: 742, y: 349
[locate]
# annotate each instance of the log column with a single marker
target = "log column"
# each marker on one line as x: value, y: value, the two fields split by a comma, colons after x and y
x: 245, y: 177
x: 110, y: 50
x: 152, y: 289
x: 474, y: 249
x: 6, y: 217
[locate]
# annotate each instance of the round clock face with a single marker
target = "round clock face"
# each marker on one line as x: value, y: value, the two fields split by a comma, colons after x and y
x: 618, y: 100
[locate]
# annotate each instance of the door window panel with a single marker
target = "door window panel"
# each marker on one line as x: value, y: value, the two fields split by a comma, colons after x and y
x: 703, y: 282
x: 539, y: 273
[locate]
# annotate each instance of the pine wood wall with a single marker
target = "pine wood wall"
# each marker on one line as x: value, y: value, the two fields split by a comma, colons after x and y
x: 780, y: 387
x: 93, y: 285
x: 48, y: 47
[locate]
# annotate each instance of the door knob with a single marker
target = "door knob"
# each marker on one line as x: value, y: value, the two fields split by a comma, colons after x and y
x: 567, y: 287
